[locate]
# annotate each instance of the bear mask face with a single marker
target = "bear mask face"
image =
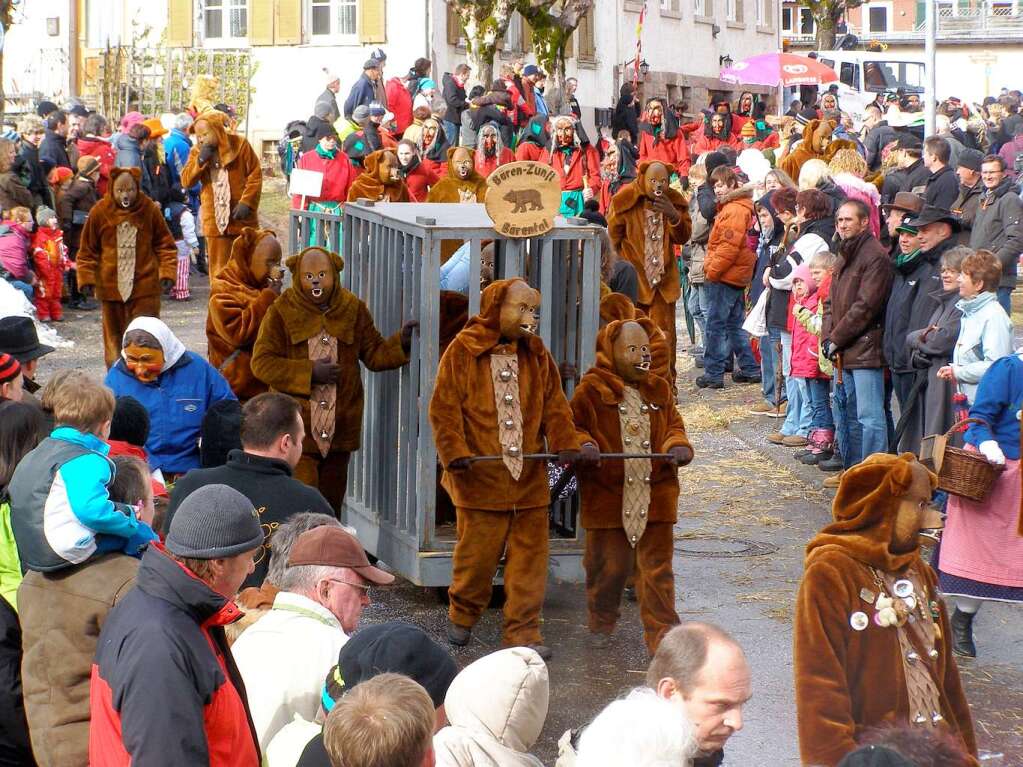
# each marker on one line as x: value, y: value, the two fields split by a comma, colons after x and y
x: 631, y: 351
x: 520, y: 311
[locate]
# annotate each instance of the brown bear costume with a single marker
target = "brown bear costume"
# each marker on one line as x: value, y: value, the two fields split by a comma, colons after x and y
x: 817, y: 144
x: 126, y: 254
x: 461, y: 184
x: 227, y: 167
x: 498, y: 392
x: 380, y: 179
x: 239, y: 298
x: 309, y: 346
x: 646, y: 221
x: 629, y: 507
x: 873, y: 645
x: 616, y: 306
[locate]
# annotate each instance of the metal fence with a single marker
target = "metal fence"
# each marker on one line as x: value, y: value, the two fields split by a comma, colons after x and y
x: 392, y: 262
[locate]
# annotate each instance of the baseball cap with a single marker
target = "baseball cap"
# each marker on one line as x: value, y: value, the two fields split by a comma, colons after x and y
x: 333, y: 547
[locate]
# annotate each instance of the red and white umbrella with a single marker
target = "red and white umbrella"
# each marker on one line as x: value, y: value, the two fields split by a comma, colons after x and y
x: 776, y: 69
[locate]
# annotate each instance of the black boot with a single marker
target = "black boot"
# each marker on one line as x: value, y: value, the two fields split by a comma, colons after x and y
x: 200, y: 261
x: 962, y: 634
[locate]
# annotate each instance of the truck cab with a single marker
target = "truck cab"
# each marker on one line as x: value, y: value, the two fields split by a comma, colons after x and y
x: 862, y: 75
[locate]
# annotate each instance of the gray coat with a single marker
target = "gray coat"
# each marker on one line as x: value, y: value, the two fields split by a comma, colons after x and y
x: 932, y: 349
x: 326, y: 106
x: 998, y: 227
x: 695, y: 251
x: 965, y: 206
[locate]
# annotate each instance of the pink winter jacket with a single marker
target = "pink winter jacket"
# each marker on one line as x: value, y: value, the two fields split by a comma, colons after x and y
x: 14, y: 249
x: 805, y: 344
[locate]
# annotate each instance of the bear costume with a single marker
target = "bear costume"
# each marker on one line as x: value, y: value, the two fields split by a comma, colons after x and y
x: 309, y: 346
x: 126, y: 254
x: 872, y: 643
x: 462, y: 183
x: 646, y: 221
x: 380, y: 179
x: 817, y: 144
x: 498, y: 392
x: 615, y: 306
x: 629, y: 507
x: 239, y: 298
x: 227, y: 167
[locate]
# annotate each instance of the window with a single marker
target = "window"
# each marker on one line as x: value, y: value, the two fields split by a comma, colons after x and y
x: 333, y: 18
x: 764, y: 13
x: 700, y: 7
x: 733, y: 10
x: 671, y: 7
x: 226, y: 20
x: 877, y: 19
x: 850, y: 74
x: 786, y: 19
x: 806, y: 24
x: 103, y: 23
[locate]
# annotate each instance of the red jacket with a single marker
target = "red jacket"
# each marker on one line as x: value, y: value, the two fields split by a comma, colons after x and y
x: 516, y: 100
x: 487, y: 165
x: 399, y: 101
x: 585, y: 163
x: 673, y: 152
x: 805, y: 344
x: 103, y: 151
x: 527, y: 150
x: 420, y: 180
x: 338, y: 175
x: 705, y: 143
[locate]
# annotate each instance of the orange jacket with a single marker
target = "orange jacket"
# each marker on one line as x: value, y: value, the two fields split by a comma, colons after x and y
x: 729, y: 258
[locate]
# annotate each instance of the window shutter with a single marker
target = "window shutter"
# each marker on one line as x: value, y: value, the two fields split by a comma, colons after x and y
x: 372, y: 21
x: 261, y: 23
x: 288, y: 22
x: 179, y: 24
x: 587, y: 46
x: 527, y: 36
x: 570, y: 46
x: 738, y: 11
x: 768, y: 20
x: 454, y: 26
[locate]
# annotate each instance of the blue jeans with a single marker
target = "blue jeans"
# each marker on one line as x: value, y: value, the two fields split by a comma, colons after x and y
x: 797, y: 417
x: 1005, y: 299
x: 697, y: 305
x: 451, y: 131
x: 724, y: 332
x: 770, y: 364
x: 820, y: 404
x: 860, y: 414
x: 24, y: 287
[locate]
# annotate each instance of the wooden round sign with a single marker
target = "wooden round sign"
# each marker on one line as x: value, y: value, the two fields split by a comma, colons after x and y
x: 523, y: 198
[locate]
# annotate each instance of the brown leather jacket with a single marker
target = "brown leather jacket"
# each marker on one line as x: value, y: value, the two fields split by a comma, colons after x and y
x: 854, y: 311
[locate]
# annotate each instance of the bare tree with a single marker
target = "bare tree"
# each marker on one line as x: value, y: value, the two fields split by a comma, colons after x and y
x: 553, y: 22
x: 826, y: 14
x: 484, y: 23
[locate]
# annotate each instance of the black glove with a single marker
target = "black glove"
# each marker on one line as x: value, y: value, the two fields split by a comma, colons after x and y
x: 589, y: 455
x: 166, y: 285
x: 325, y: 372
x: 459, y: 464
x: 681, y: 454
x: 207, y: 154
x: 88, y: 291
x: 241, y: 210
x: 406, y: 334
x: 568, y: 457
x: 828, y: 350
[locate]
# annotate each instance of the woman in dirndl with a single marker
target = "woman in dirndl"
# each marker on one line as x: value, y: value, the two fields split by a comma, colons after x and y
x: 981, y: 554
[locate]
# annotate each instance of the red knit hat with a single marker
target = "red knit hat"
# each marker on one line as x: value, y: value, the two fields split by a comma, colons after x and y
x: 9, y: 368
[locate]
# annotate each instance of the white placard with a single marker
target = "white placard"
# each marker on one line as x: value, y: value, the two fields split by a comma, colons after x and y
x: 305, y: 183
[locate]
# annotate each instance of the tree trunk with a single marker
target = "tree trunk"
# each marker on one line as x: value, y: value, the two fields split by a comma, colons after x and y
x: 484, y: 22
x: 825, y: 36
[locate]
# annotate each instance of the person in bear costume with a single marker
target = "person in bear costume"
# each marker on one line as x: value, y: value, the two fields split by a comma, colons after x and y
x: 231, y: 181
x: 309, y: 346
x: 660, y: 139
x: 239, y: 298
x: 380, y: 179
x: 872, y: 637
x: 646, y: 221
x: 125, y: 257
x: 462, y: 183
x: 629, y: 507
x: 498, y: 392
x: 615, y: 306
x: 817, y: 144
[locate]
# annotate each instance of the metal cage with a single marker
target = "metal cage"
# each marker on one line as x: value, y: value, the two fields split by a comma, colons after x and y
x: 392, y: 255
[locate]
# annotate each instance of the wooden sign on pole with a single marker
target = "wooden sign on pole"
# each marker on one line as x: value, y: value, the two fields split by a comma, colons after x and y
x: 523, y: 198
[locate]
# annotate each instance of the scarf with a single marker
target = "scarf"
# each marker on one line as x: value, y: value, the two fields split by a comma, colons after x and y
x: 326, y: 154
x: 172, y: 348
x: 905, y: 258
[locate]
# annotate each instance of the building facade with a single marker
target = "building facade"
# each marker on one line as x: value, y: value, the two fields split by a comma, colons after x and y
x: 54, y: 46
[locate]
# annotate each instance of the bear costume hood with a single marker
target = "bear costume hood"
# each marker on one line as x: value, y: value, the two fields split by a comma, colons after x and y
x: 483, y: 331
x: 608, y: 383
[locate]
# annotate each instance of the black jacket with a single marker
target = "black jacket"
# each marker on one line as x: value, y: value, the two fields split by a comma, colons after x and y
x: 916, y: 178
x: 911, y: 303
x: 965, y: 207
x: 15, y: 749
x: 626, y: 114
x: 267, y: 482
x: 32, y: 174
x: 77, y: 198
x: 877, y: 138
x: 942, y: 188
x: 53, y: 152
x: 454, y: 97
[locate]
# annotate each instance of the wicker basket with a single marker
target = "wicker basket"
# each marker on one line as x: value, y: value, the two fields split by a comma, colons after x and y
x: 966, y: 473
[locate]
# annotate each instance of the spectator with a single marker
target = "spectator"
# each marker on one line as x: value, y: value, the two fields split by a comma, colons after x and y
x: 61, y: 511
x: 571, y: 86
x: 326, y: 102
x: 323, y: 592
x: 878, y: 136
x: 496, y: 708
x: 176, y: 386
x: 943, y: 130
x: 1012, y: 152
x: 363, y: 91
x: 853, y: 334
x: 387, y: 720
x: 998, y: 225
x: 61, y: 617
x: 942, y: 186
x: 14, y: 737
x: 176, y: 146
x: 815, y: 174
x: 49, y: 262
x: 167, y: 634
x: 453, y: 91
x: 640, y: 729
x: 73, y: 209
x: 771, y: 254
x: 985, y: 333
x: 129, y: 430
x: 848, y: 170
x: 220, y: 433
x: 20, y: 432
x: 728, y: 268
x: 319, y: 126
x: 910, y: 175
x: 903, y: 205
x: 15, y: 261
x: 130, y: 144
x: 626, y: 114
x: 694, y: 254
x: 13, y: 192
x: 931, y: 346
x: 776, y: 178
x: 28, y: 165
x: 94, y: 143
x: 53, y: 147
x: 967, y: 202
x: 418, y: 177
x: 419, y: 71
x: 19, y: 339
x: 426, y: 97
x: 399, y: 100
x: 338, y: 175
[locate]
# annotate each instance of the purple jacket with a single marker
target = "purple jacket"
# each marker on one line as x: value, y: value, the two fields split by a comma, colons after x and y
x: 14, y: 243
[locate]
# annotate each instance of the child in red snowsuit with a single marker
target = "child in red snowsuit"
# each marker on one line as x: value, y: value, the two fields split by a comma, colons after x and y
x: 49, y: 256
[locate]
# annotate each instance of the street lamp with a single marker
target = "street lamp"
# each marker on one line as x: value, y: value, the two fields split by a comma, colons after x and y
x: 725, y: 61
x: 644, y: 68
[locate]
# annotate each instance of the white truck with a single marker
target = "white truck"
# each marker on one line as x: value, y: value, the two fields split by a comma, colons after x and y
x: 864, y: 74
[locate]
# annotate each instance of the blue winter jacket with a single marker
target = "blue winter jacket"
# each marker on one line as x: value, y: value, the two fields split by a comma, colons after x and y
x: 361, y: 93
x: 177, y: 402
x: 176, y: 147
x: 997, y: 402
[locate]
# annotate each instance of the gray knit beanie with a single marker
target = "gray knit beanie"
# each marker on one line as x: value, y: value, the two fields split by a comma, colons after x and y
x: 215, y: 521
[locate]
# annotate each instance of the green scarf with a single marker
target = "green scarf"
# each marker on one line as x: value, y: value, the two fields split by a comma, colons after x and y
x: 904, y: 258
x: 324, y: 153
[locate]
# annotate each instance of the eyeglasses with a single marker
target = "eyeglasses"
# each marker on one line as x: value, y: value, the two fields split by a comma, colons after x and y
x: 362, y: 586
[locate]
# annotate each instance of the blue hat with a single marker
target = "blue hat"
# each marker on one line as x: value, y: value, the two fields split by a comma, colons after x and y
x: 530, y: 69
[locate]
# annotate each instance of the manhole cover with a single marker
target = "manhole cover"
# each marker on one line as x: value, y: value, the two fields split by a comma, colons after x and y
x: 707, y: 546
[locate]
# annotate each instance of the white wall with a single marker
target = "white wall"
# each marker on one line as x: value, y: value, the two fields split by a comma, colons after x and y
x: 33, y: 60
